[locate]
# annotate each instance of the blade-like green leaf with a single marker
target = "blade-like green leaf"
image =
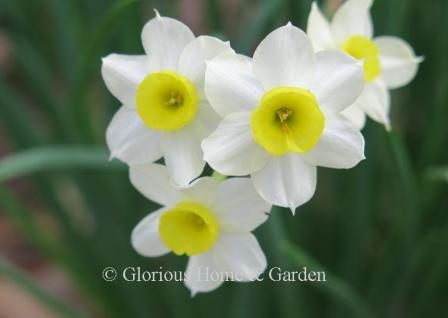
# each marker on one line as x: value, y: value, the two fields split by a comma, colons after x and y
x: 266, y: 13
x: 50, y: 158
x: 437, y: 173
x: 334, y: 285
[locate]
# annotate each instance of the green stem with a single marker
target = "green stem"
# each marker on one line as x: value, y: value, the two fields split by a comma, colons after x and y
x: 409, y: 181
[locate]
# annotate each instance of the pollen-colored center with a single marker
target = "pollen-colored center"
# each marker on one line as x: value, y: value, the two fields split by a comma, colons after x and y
x: 166, y: 101
x: 288, y: 119
x: 364, y: 49
x: 190, y: 228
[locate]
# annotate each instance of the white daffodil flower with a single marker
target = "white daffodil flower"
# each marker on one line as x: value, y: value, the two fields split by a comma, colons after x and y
x: 281, y: 115
x: 210, y: 221
x: 165, y: 112
x: 389, y: 62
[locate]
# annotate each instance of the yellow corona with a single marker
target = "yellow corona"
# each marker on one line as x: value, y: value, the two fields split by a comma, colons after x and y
x: 287, y: 120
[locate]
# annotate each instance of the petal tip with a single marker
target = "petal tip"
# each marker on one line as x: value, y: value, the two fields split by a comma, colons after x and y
x: 193, y: 293
x: 420, y: 59
x: 111, y: 156
x: 156, y: 12
x: 292, y: 207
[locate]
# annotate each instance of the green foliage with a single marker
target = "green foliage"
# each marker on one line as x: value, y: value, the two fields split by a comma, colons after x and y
x: 380, y: 230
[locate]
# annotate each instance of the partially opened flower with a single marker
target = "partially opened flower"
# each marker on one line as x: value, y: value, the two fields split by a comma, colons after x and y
x: 165, y: 112
x: 210, y: 221
x: 282, y: 115
x: 389, y: 62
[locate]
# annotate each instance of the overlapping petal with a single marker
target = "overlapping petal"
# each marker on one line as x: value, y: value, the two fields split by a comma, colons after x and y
x: 122, y: 74
x: 145, y: 236
x: 375, y: 102
x: 285, y: 58
x: 230, y: 84
x: 339, y: 80
x: 240, y: 255
x: 164, y: 39
x: 182, y: 148
x: 231, y: 149
x: 200, y: 277
x: 352, y: 18
x: 318, y: 30
x: 202, y: 190
x: 196, y: 54
x: 286, y: 181
x: 398, y: 61
x: 238, y: 207
x: 355, y: 115
x: 340, y: 146
x: 206, y: 119
x: 153, y: 181
x: 183, y: 154
x: 130, y: 140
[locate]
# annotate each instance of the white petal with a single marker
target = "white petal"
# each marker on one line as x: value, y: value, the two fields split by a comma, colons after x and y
x: 375, y: 102
x: 286, y: 181
x: 183, y: 154
x: 339, y: 80
x: 231, y: 149
x: 355, y: 115
x: 199, y: 277
x: 196, y: 53
x: 145, y: 237
x: 352, y: 18
x: 130, y: 140
x: 238, y: 207
x: 240, y: 255
x: 164, y: 39
x: 398, y: 61
x: 285, y: 58
x: 122, y: 75
x: 206, y: 119
x: 341, y: 145
x: 202, y: 190
x: 230, y: 84
x: 318, y: 30
x: 153, y: 181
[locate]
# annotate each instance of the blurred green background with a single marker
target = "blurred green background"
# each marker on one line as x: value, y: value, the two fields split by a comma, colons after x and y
x: 379, y: 230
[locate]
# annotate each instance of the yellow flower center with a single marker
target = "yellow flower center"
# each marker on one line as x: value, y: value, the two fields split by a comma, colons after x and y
x: 287, y: 120
x: 166, y: 101
x: 189, y: 228
x: 362, y: 48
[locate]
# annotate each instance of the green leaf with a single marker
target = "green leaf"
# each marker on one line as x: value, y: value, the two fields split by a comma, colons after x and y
x: 437, y: 174
x: 334, y: 285
x: 267, y: 11
x: 88, y: 67
x: 51, y: 158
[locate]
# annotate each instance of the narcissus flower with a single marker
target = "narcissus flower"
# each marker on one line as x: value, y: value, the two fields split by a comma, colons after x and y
x: 210, y: 221
x: 389, y: 62
x: 282, y: 115
x: 165, y: 112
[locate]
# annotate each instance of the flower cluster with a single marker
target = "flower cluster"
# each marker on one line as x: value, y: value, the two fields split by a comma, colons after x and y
x: 297, y: 104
